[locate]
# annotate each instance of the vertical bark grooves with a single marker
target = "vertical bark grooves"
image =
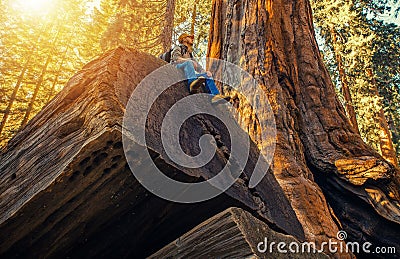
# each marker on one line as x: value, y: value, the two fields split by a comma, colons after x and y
x: 275, y: 42
x: 261, y: 42
x: 216, y: 29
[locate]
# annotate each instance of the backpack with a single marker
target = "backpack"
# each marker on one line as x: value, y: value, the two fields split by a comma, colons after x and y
x: 166, y: 56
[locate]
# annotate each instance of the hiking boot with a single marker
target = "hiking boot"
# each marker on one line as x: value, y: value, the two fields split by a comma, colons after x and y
x: 219, y: 98
x: 196, y: 84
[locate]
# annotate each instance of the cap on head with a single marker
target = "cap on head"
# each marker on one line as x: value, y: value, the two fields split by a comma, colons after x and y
x: 184, y: 36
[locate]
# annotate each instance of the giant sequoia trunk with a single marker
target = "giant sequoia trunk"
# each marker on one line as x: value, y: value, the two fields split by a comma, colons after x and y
x: 320, y: 160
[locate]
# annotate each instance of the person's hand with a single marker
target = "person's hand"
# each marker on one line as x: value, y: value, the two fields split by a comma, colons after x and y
x: 209, y: 74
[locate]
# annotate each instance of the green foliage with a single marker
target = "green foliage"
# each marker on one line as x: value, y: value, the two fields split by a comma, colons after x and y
x: 139, y: 24
x: 184, y: 20
x: 386, y: 62
x: 133, y: 23
x: 364, y: 44
x: 40, y: 50
x: 39, y: 53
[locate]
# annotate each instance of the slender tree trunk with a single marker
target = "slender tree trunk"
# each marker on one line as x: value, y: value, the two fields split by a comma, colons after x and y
x: 274, y: 40
x: 345, y: 85
x: 169, y: 25
x: 55, y: 81
x: 36, y: 91
x: 14, y: 94
x: 38, y: 84
x: 385, y: 138
x: 19, y: 81
x: 393, y: 127
x: 194, y: 14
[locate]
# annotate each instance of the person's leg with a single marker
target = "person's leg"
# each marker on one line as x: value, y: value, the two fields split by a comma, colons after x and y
x: 211, y: 87
x: 194, y: 81
x: 213, y: 90
x: 189, y: 71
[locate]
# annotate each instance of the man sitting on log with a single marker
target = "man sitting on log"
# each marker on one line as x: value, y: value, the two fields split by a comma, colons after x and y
x: 182, y: 57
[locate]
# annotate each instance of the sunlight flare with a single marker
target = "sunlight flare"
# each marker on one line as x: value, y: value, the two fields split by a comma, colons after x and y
x: 34, y: 6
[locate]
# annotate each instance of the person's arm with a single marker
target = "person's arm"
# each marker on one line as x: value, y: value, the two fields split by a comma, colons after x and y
x: 198, y: 67
x: 176, y: 55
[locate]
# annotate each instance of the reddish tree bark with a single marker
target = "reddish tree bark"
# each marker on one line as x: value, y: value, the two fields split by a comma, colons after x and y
x: 166, y: 37
x: 194, y: 14
x: 275, y: 42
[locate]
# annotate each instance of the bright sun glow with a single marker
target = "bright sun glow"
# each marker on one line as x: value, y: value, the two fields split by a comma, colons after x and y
x: 34, y: 6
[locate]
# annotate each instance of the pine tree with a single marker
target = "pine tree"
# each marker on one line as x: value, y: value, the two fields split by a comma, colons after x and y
x: 194, y: 17
x: 346, y: 28
x: 386, y: 65
x: 39, y: 55
x: 166, y: 36
x: 136, y: 24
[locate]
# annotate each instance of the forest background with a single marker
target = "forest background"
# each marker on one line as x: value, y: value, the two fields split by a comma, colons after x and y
x: 44, y: 42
